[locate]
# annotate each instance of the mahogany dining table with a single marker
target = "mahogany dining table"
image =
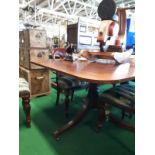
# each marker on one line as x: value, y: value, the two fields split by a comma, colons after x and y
x: 92, y: 72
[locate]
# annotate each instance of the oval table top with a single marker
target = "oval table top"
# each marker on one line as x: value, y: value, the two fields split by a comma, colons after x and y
x: 91, y: 71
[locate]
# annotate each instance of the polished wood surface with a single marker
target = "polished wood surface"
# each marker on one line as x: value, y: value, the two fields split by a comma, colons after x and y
x: 91, y: 71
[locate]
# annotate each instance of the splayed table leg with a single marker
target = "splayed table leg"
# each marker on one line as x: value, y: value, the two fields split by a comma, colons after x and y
x: 89, y: 102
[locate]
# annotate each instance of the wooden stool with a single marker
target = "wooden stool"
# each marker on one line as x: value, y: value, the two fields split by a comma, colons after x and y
x: 24, y: 93
x: 121, y: 97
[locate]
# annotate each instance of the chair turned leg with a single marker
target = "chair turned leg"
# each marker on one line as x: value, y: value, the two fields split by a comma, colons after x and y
x: 67, y: 104
x: 72, y: 94
x: 58, y: 96
x: 27, y: 108
x: 123, y: 114
x: 100, y: 117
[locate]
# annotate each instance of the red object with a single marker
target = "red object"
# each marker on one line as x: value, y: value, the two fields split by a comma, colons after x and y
x: 117, y: 43
x: 111, y: 28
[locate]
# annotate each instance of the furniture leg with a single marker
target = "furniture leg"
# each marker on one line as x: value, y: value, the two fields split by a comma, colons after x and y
x: 72, y: 94
x: 89, y: 102
x: 58, y: 96
x: 121, y: 124
x: 123, y: 114
x: 101, y: 118
x: 71, y: 123
x: 66, y: 104
x: 27, y: 108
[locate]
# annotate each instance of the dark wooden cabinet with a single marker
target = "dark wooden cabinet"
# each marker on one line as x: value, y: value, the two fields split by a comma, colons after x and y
x: 72, y: 33
x: 84, y: 36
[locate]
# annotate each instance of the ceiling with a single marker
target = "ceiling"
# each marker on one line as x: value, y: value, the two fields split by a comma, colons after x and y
x: 47, y: 12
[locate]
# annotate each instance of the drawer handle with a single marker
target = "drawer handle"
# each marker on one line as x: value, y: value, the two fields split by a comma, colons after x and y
x: 39, y: 77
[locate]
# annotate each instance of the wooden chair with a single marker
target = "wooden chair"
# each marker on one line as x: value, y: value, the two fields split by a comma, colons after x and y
x: 121, y: 97
x: 65, y: 84
x: 24, y: 93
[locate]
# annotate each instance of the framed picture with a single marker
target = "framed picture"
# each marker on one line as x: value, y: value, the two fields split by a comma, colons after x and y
x: 82, y: 28
x: 85, y: 40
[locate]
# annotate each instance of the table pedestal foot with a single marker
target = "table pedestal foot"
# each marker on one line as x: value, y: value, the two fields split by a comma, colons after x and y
x: 121, y: 124
x: 73, y: 122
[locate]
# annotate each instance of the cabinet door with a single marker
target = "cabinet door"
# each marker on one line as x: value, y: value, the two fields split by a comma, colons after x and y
x: 72, y: 31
